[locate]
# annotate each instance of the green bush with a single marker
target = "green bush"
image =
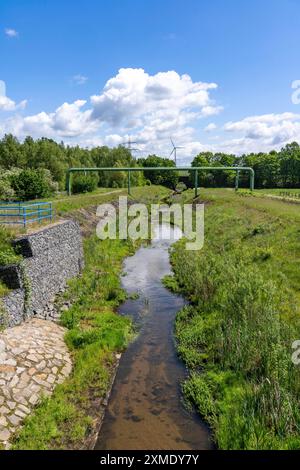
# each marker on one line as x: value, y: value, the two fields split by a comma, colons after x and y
x: 8, y: 256
x: 32, y: 184
x: 164, y: 178
x: 180, y: 187
x: 7, y: 253
x: 7, y: 193
x: 84, y: 183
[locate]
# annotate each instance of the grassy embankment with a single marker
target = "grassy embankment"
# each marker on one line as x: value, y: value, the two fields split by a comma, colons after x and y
x: 7, y: 255
x: 96, y: 333
x: 64, y: 206
x: 236, y: 335
x: 290, y: 195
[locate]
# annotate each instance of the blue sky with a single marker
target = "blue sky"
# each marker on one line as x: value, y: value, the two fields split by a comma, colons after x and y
x: 56, y: 52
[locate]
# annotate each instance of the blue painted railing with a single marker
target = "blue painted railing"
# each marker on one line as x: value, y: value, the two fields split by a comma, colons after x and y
x: 22, y: 213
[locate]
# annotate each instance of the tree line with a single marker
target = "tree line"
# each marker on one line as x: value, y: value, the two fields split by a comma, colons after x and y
x: 276, y: 169
x: 37, y: 168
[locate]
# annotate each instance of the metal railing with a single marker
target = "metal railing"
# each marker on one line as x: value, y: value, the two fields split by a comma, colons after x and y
x: 22, y: 213
x: 289, y: 194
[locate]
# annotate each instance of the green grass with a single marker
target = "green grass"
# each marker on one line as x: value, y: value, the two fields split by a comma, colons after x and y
x: 62, y: 204
x: 236, y: 335
x: 7, y: 253
x: 149, y: 194
x: 4, y: 290
x: 65, y: 204
x: 286, y: 194
x: 277, y: 191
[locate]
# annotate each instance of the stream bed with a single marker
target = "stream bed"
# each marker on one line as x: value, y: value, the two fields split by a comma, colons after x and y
x: 145, y: 409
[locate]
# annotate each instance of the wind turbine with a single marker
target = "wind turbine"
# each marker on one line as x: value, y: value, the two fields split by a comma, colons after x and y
x: 175, y: 148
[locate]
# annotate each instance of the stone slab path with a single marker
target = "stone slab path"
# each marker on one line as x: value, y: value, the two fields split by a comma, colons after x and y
x: 33, y: 359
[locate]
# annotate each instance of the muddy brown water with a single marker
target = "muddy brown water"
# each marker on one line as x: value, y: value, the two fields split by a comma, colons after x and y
x: 145, y: 409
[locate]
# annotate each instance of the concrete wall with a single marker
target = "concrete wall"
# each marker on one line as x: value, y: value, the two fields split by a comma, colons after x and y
x: 51, y: 256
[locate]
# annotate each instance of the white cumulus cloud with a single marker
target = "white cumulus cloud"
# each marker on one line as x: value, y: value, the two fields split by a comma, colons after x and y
x: 68, y: 120
x: 7, y: 104
x: 264, y: 132
x: 210, y: 127
x: 150, y: 108
x: 134, y: 97
x: 11, y: 33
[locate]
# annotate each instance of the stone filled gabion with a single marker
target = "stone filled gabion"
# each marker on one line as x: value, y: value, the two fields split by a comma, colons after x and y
x: 51, y: 256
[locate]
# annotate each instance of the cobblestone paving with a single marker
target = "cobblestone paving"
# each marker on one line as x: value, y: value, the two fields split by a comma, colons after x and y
x: 33, y: 359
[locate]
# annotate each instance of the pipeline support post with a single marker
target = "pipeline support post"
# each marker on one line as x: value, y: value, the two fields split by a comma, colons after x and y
x: 24, y: 217
x: 251, y: 179
x: 128, y: 182
x: 69, y: 175
x: 237, y: 178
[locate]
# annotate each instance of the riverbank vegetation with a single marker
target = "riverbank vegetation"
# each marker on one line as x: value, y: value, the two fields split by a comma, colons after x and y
x: 235, y: 335
x: 95, y: 334
x: 237, y: 332
x: 64, y: 205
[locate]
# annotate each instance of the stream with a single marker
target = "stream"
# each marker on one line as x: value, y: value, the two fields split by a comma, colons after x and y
x: 145, y: 409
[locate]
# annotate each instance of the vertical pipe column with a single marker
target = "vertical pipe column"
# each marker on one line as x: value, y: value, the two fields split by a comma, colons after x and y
x: 196, y: 183
x: 128, y: 182
x: 237, y: 177
x: 69, y: 189
x: 24, y: 216
x: 251, y: 180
